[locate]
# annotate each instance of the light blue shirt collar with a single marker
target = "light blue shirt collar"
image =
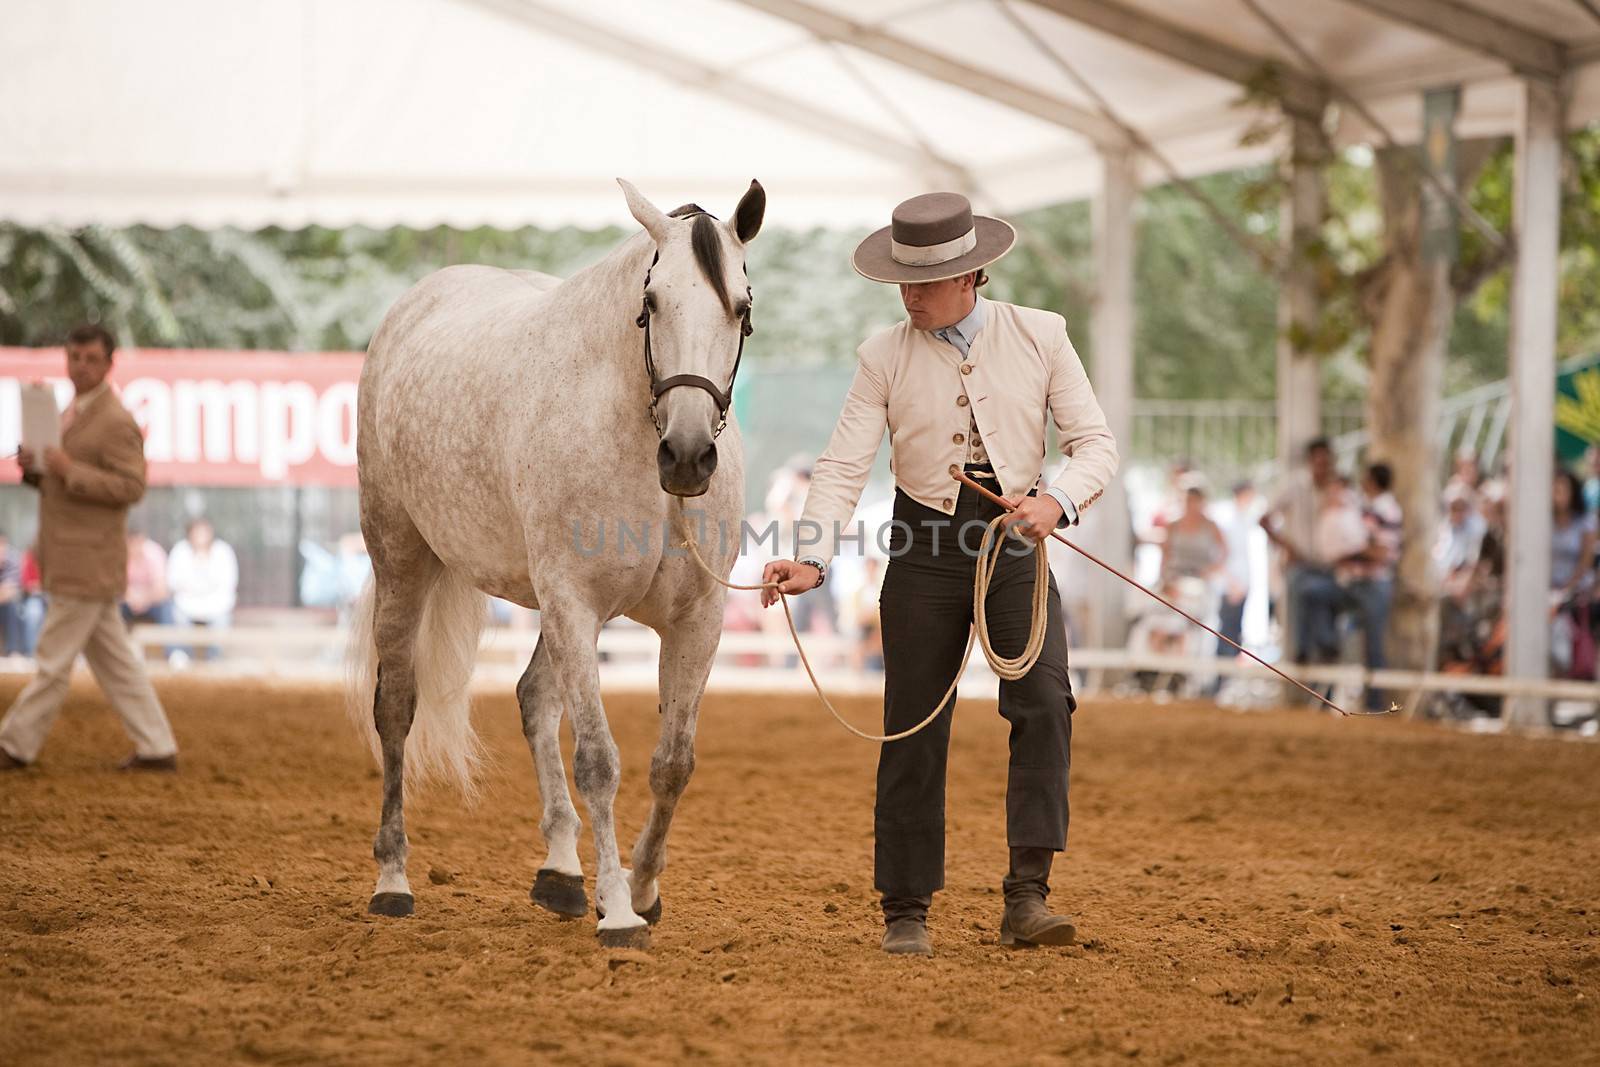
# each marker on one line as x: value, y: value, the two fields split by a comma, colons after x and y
x: 964, y: 332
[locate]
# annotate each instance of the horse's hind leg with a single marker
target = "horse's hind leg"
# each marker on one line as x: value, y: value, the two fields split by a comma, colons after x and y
x: 403, y: 568
x: 569, y: 627
x: 687, y: 648
x: 558, y: 886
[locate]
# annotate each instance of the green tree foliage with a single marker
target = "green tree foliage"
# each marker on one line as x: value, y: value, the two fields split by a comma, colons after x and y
x: 1485, y: 318
x: 1206, y: 311
x: 1351, y: 249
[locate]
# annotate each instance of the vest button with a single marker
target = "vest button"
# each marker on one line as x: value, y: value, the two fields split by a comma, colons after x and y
x: 958, y: 438
x: 954, y: 470
x: 966, y: 368
x: 961, y: 401
x: 948, y: 503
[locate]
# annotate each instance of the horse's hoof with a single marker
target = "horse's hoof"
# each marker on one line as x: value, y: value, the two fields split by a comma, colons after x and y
x: 650, y: 915
x: 394, y: 905
x: 560, y: 893
x: 636, y: 937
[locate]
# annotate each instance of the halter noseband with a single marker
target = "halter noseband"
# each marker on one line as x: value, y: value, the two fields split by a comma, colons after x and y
x: 658, y: 386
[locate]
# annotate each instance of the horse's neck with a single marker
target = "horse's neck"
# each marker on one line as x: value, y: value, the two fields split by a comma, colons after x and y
x: 592, y: 296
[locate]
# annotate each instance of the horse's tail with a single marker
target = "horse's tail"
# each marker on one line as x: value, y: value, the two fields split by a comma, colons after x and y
x: 442, y: 743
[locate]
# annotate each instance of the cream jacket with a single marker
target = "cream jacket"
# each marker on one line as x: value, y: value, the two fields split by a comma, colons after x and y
x: 1021, y: 371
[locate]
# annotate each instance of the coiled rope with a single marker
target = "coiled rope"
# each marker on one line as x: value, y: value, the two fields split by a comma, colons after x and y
x: 1010, y: 668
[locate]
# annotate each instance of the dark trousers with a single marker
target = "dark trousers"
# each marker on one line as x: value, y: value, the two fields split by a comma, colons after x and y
x: 1314, y: 600
x: 1370, y: 599
x: 1230, y: 624
x: 158, y: 614
x: 13, y: 628
x: 926, y: 610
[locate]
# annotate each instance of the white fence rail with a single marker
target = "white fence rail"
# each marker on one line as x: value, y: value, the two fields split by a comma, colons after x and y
x: 318, y: 653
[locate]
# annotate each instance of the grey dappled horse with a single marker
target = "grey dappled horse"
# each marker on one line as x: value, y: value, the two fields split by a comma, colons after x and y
x: 509, y: 424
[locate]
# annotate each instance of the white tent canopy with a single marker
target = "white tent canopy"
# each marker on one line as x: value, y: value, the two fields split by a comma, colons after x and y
x: 287, y: 112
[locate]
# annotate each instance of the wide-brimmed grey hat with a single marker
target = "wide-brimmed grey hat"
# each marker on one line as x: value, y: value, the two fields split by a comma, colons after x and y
x: 930, y: 238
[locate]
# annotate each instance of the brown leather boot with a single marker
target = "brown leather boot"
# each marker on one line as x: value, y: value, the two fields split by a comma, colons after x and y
x: 1027, y: 921
x: 159, y: 764
x: 905, y: 922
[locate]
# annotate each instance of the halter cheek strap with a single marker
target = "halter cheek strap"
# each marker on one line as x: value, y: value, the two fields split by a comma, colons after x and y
x: 658, y: 386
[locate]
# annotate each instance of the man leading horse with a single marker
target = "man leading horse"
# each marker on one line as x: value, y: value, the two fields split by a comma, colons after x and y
x: 963, y: 384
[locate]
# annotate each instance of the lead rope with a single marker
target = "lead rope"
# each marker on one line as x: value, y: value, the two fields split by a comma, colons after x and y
x: 1010, y: 669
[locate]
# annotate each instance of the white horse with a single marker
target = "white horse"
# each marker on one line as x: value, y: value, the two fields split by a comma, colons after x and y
x: 524, y: 437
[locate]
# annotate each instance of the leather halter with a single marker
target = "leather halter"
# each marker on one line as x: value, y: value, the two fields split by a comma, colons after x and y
x: 659, y: 386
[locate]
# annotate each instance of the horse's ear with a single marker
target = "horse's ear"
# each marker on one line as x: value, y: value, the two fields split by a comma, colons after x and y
x: 747, y: 216
x: 648, y: 215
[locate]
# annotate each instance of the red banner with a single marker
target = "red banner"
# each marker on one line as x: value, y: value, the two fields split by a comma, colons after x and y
x: 215, y: 418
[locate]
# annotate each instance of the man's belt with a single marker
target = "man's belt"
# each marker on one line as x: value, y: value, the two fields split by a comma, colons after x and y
x: 981, y: 471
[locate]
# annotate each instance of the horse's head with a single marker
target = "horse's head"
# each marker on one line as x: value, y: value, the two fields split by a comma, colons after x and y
x: 696, y: 316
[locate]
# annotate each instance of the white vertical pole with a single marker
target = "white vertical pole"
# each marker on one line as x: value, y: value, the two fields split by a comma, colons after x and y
x: 1536, y: 215
x: 1111, y: 372
x: 1299, y: 380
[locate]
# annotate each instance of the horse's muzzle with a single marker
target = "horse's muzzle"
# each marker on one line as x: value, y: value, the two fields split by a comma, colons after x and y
x: 686, y: 466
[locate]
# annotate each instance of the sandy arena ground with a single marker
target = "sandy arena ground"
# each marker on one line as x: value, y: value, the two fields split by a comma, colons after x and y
x: 1249, y: 889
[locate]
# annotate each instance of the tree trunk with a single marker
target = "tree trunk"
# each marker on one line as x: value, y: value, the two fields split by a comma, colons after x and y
x: 1410, y: 337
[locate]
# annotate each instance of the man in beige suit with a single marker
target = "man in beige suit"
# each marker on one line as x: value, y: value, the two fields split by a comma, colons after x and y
x: 85, y: 489
x: 964, y: 384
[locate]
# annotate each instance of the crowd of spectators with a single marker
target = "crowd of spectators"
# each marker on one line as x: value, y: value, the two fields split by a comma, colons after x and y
x: 1470, y: 559
x: 1336, y: 549
x: 195, y: 584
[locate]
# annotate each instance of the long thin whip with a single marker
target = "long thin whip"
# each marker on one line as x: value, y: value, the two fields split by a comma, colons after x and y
x: 1012, y: 668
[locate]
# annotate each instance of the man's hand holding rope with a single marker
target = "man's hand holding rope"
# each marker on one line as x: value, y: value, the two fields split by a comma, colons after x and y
x: 792, y: 578
x: 1033, y: 517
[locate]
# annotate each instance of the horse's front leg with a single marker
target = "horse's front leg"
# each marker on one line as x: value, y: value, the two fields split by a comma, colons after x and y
x: 558, y: 886
x: 570, y: 629
x: 687, y: 649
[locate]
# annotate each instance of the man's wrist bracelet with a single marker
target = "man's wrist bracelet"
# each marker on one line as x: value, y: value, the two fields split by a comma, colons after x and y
x: 822, y: 569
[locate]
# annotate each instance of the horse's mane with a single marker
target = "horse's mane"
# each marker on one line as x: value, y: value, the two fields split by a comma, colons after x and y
x: 707, y: 246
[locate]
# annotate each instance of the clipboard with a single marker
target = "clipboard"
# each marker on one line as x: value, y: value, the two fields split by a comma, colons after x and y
x: 41, y: 421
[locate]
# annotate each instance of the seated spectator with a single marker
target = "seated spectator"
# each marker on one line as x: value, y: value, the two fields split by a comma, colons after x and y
x: 1193, y: 557
x: 1572, y: 539
x: 1172, y: 503
x: 147, y: 599
x: 1455, y: 552
x: 1591, y: 482
x: 1492, y: 549
x: 1572, y: 543
x: 203, y: 574
x: 1467, y: 475
x: 1195, y: 547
